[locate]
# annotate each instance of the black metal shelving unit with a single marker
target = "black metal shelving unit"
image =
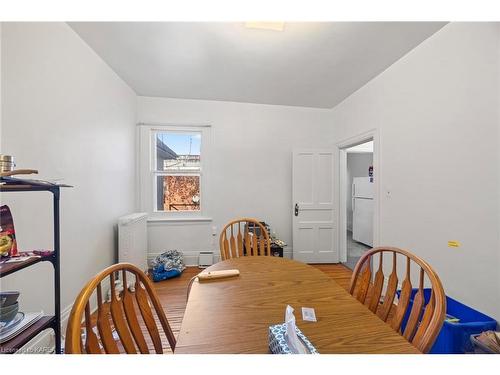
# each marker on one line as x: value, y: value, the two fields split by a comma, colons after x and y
x: 13, y: 184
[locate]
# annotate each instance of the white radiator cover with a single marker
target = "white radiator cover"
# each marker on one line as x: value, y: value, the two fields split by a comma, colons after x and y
x: 133, y: 240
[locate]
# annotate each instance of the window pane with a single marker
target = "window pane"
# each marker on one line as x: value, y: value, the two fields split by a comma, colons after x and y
x: 178, y: 193
x: 178, y: 152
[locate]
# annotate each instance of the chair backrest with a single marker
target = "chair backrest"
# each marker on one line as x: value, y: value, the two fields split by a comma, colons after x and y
x: 244, y: 237
x: 427, y: 314
x: 120, y: 314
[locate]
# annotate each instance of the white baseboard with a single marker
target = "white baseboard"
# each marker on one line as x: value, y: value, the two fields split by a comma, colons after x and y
x: 191, y: 257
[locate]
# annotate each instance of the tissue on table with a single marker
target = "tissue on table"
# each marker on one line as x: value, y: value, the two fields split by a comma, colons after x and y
x: 286, y: 338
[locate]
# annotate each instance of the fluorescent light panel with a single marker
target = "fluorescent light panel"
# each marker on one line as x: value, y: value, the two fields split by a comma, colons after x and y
x: 274, y: 26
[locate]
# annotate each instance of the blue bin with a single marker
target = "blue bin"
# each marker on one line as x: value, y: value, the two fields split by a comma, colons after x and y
x: 454, y: 338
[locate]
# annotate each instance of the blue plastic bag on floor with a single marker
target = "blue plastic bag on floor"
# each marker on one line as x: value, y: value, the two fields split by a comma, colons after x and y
x: 163, y: 275
x: 167, y: 265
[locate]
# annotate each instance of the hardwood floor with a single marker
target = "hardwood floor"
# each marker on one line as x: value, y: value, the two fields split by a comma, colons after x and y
x: 173, y: 296
x: 172, y: 292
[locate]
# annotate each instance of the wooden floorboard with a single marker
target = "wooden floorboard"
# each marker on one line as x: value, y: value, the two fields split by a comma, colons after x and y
x: 173, y: 296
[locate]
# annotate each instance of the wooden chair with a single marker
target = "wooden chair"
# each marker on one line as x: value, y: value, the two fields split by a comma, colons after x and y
x: 248, y: 237
x: 425, y: 318
x: 122, y: 313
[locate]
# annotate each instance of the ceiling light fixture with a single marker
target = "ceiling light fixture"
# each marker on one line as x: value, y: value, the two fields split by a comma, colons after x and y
x: 274, y: 26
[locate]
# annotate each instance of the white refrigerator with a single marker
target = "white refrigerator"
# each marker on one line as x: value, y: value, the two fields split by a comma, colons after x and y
x: 362, y: 210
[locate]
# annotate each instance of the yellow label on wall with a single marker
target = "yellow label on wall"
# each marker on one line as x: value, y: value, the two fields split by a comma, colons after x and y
x: 453, y: 244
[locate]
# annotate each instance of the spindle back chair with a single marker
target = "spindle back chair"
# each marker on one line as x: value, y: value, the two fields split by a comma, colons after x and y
x: 425, y: 319
x: 244, y: 237
x: 120, y: 314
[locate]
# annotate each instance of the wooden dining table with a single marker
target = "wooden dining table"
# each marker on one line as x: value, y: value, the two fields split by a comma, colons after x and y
x: 233, y: 315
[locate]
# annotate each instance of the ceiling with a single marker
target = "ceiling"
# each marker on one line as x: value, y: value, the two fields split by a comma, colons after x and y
x: 307, y: 64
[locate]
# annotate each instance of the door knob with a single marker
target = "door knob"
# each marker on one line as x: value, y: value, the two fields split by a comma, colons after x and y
x: 296, y: 209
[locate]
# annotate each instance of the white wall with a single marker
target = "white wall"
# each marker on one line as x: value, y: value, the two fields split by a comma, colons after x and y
x: 250, y: 169
x: 438, y: 118
x: 67, y: 114
x: 357, y: 166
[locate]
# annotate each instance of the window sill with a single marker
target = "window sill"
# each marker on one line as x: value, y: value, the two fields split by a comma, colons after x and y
x: 179, y: 219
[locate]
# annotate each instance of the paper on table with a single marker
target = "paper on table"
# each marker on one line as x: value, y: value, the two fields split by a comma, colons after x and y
x: 308, y: 314
x: 294, y: 343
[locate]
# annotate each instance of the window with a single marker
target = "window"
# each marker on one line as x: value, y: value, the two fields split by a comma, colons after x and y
x: 175, y: 170
x: 178, y: 168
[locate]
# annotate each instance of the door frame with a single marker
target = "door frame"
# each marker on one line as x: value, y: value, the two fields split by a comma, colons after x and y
x: 341, y: 188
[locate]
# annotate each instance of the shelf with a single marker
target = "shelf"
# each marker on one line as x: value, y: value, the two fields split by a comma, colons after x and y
x: 9, y: 183
x: 20, y: 184
x: 8, y: 268
x: 17, y: 342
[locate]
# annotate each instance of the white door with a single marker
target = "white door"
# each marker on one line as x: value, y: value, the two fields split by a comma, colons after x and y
x: 312, y: 204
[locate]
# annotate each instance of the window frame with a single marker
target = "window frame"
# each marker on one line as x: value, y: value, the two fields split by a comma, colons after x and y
x: 148, y: 173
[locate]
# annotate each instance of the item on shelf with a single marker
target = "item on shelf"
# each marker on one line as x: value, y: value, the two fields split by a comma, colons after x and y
x: 43, y: 253
x: 21, y: 257
x: 487, y: 342
x: 8, y: 244
x: 8, y: 298
x: 8, y: 326
x: 28, y: 320
x: 18, y: 172
x: 277, y: 246
x: 255, y: 229
x: 7, y: 163
x: 27, y: 181
x: 278, y: 242
x: 7, y: 313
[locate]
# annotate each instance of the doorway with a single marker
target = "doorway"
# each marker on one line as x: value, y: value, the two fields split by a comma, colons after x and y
x: 357, y: 197
x: 359, y: 201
